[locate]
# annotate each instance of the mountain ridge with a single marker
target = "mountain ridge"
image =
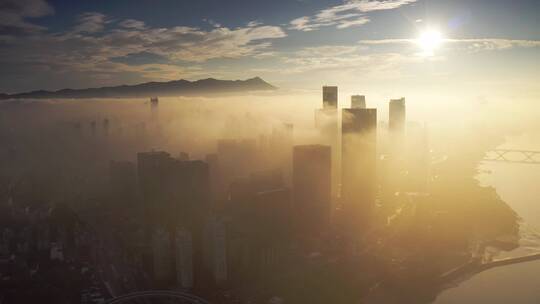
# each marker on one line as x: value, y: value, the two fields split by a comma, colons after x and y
x: 180, y: 87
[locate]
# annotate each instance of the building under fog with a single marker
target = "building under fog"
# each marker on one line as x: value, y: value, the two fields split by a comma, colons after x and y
x: 216, y: 249
x: 358, y: 102
x: 359, y: 156
x: 396, y: 115
x: 161, y: 256
x: 330, y: 97
x: 184, y: 259
x: 312, y: 185
x: 326, y: 121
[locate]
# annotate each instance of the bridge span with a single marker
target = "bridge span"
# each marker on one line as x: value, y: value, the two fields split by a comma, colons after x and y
x: 513, y: 156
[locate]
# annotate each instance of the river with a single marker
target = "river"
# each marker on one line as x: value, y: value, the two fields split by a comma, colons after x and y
x: 519, y: 186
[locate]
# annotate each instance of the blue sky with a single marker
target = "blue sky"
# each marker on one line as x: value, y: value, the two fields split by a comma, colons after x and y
x: 294, y: 44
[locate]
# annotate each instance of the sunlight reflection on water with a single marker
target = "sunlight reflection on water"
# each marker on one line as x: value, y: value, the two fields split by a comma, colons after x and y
x: 517, y: 184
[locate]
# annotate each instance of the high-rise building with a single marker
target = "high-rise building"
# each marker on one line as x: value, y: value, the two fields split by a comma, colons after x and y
x: 312, y: 185
x: 189, y: 188
x: 396, y: 119
x: 153, y: 172
x: 161, y: 257
x: 173, y: 188
x: 216, y: 249
x: 326, y: 120
x: 330, y: 97
x: 358, y: 102
x: 184, y: 259
x: 236, y: 158
x: 359, y: 156
x: 154, y: 103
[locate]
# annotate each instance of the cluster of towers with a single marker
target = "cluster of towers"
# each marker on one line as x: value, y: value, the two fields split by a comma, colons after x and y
x: 354, y: 151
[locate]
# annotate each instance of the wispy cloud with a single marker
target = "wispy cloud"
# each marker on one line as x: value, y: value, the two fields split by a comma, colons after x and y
x: 14, y: 15
x: 350, y: 13
x: 96, y: 44
x: 343, y: 58
x: 492, y: 44
x: 472, y: 44
x: 132, y: 24
x: 91, y: 22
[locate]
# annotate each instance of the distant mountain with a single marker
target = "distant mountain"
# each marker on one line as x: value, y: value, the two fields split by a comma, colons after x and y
x: 209, y: 86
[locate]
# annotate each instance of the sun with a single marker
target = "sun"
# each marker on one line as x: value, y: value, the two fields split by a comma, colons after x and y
x: 429, y: 41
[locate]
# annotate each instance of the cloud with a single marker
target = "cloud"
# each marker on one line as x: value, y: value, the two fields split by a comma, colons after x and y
x: 91, y: 22
x: 349, y: 23
x: 369, y: 6
x: 96, y: 50
x: 212, y: 22
x: 140, y: 59
x: 253, y: 23
x: 13, y: 15
x: 493, y: 44
x: 472, y: 45
x: 350, y: 13
x: 132, y: 24
x: 344, y: 58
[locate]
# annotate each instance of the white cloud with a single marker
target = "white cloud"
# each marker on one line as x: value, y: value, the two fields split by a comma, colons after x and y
x: 491, y: 44
x: 349, y: 23
x: 344, y: 58
x: 253, y: 23
x: 369, y: 6
x: 89, y: 48
x: 132, y: 24
x: 13, y: 15
x: 473, y: 45
x: 91, y: 22
x: 350, y: 13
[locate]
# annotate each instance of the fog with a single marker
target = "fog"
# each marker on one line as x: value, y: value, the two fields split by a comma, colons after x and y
x: 428, y: 203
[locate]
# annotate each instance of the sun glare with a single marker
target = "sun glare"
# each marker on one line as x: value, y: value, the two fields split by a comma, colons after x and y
x: 429, y: 41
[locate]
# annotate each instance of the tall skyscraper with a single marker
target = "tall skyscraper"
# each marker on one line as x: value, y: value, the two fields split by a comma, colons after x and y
x: 216, y: 249
x: 173, y: 188
x: 326, y: 120
x: 358, y: 102
x: 154, y: 103
x: 153, y: 170
x: 330, y: 97
x: 162, y: 259
x: 359, y: 156
x: 396, y: 119
x: 312, y: 185
x: 184, y: 259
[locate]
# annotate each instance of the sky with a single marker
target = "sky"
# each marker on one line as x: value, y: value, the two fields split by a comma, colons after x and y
x: 487, y: 48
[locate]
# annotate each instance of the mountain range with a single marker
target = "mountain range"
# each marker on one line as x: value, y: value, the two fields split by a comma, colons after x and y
x: 182, y: 87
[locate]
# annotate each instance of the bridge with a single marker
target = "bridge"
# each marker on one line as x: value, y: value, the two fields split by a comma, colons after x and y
x: 513, y: 156
x: 166, y: 295
x: 476, y: 266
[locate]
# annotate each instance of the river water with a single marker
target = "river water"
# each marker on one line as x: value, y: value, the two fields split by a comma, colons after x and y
x: 519, y: 186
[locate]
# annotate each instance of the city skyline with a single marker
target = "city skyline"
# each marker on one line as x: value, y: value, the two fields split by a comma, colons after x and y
x: 269, y: 152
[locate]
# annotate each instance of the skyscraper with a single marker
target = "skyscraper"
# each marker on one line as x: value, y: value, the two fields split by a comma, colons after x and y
x: 359, y: 157
x: 184, y: 259
x: 330, y: 97
x: 173, y: 188
x: 162, y: 259
x: 216, y: 249
x: 312, y: 187
x: 326, y: 120
x: 154, y: 103
x: 358, y: 102
x: 396, y: 119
